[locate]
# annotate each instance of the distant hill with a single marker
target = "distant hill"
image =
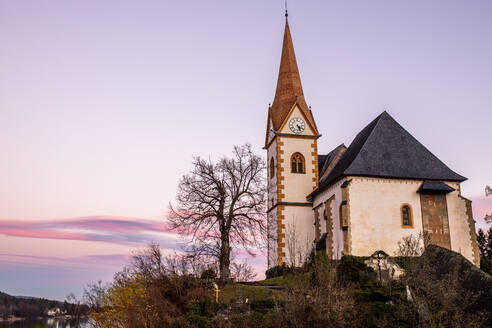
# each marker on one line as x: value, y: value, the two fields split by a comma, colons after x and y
x: 27, y: 307
x: 26, y: 297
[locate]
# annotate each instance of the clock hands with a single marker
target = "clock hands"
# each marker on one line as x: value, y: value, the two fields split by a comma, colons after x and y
x: 296, y: 125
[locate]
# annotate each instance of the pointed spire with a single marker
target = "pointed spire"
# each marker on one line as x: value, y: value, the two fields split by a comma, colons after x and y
x: 289, y: 87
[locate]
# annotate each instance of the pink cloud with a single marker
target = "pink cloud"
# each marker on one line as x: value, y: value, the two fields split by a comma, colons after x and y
x: 86, y: 259
x: 113, y: 229
x: 41, y: 234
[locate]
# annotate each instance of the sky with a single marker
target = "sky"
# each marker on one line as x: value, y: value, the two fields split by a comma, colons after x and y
x: 104, y: 103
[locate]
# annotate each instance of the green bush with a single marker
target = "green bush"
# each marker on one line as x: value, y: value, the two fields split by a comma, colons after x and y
x: 276, y: 271
x: 486, y: 265
x: 406, y: 262
x: 262, y: 305
x: 371, y: 293
x: 353, y: 269
x: 208, y: 274
x: 200, y: 313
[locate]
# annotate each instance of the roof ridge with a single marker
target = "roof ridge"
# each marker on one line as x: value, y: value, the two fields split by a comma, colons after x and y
x: 332, y: 152
x: 377, y: 120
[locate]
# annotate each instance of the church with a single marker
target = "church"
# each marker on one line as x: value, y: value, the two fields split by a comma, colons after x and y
x: 358, y: 199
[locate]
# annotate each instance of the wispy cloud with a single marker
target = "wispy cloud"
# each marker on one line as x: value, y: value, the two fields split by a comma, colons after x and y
x: 23, y: 261
x: 113, y: 229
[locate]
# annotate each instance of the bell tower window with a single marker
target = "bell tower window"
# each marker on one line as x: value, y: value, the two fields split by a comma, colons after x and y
x: 297, y: 163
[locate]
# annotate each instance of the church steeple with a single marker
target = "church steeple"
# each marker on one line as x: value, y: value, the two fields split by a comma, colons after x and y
x: 289, y: 87
x: 292, y: 152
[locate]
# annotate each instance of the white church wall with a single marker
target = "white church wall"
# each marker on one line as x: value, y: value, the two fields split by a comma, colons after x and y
x: 459, y: 228
x: 375, y: 213
x: 320, y: 200
x: 272, y: 230
x: 297, y: 185
x: 299, y: 233
x: 272, y: 181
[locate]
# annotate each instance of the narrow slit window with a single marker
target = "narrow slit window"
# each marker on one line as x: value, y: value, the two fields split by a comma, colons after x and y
x: 272, y: 168
x: 406, y: 216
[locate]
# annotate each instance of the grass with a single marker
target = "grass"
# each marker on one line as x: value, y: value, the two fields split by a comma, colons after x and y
x: 277, y: 281
x: 232, y: 293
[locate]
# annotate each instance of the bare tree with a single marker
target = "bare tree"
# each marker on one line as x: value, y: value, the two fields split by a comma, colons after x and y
x: 74, y: 309
x: 188, y: 264
x: 222, y: 205
x: 298, y: 246
x: 413, y: 245
x: 242, y: 271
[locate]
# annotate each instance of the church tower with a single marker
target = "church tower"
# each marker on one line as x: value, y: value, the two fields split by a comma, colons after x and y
x: 292, y: 154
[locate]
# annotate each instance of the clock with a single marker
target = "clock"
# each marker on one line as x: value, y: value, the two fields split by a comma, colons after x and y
x: 297, y: 125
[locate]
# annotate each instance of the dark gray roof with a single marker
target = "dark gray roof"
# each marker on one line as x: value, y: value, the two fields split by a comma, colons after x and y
x: 327, y: 159
x: 435, y: 186
x: 385, y: 149
x: 321, y: 162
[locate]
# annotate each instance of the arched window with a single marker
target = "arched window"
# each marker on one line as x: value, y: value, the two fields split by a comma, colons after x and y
x: 272, y: 168
x: 297, y: 163
x: 406, y: 216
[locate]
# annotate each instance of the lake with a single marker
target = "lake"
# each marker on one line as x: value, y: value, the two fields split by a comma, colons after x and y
x: 44, y: 323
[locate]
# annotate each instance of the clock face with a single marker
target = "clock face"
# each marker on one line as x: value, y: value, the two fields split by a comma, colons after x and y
x: 297, y: 125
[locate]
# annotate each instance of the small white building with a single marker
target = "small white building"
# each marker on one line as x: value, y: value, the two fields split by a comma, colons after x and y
x: 358, y: 199
x: 54, y: 312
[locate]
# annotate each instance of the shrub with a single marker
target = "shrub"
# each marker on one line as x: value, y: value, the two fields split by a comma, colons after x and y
x: 353, y: 269
x: 200, y: 313
x: 486, y: 265
x: 276, y: 271
x: 262, y: 305
x: 208, y: 274
x: 283, y: 270
x: 370, y: 293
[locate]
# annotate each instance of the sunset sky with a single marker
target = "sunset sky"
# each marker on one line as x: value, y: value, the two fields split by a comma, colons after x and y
x: 103, y: 104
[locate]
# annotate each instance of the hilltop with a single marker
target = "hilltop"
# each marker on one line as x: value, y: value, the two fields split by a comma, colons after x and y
x: 30, y: 307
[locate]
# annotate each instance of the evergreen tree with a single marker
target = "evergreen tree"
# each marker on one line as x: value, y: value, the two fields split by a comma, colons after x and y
x: 489, y: 244
x: 482, y: 243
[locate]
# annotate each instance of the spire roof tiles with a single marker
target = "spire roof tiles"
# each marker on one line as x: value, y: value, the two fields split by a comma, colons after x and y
x: 289, y: 88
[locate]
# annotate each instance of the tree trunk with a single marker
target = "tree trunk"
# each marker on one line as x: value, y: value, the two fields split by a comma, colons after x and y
x: 225, y: 259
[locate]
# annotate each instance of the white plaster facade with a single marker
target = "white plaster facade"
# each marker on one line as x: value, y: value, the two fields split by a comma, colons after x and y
x: 375, y: 221
x: 319, y: 203
x: 287, y: 191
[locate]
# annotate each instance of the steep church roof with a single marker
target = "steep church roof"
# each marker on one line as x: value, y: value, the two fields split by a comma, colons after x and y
x: 385, y: 149
x: 324, y: 161
x: 289, y: 87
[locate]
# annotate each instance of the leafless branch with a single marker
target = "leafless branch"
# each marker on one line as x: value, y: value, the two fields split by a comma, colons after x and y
x: 220, y: 206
